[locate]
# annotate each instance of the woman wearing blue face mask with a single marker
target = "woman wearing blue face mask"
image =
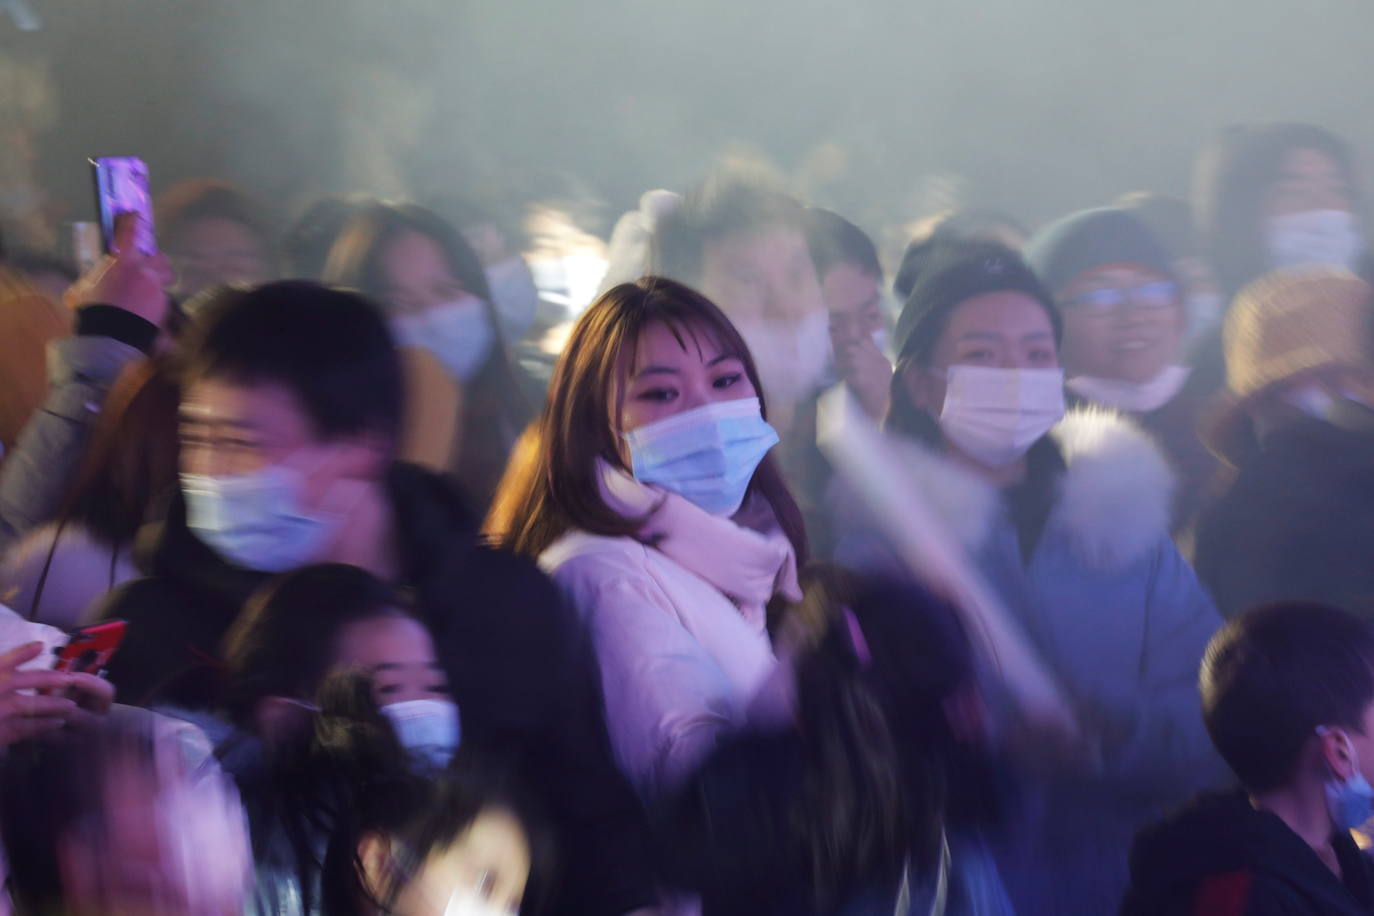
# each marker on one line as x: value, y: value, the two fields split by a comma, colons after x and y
x: 467, y: 399
x: 1066, y: 518
x: 648, y: 492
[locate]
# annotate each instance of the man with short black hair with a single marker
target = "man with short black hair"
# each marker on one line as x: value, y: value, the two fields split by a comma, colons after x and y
x: 1288, y: 697
x: 290, y: 407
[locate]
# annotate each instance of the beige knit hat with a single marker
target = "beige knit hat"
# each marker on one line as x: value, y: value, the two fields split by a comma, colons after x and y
x: 1285, y: 324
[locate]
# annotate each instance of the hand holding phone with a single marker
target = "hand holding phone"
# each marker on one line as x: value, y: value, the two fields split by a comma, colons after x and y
x: 121, y: 186
x: 90, y: 648
x: 129, y: 280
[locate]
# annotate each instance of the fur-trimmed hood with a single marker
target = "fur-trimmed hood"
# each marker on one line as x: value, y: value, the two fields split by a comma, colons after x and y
x: 1114, y: 498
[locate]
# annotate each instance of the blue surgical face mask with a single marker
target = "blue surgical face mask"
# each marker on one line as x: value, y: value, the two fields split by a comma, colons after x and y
x: 428, y: 729
x: 707, y: 455
x: 1350, y: 801
x: 459, y: 334
x: 256, y: 520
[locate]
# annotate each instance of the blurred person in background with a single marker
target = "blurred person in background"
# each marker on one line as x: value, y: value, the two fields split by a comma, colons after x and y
x: 468, y: 401
x: 498, y: 243
x: 742, y: 242
x: 59, y: 571
x: 852, y: 286
x: 307, y: 241
x: 881, y: 784
x: 1066, y: 518
x: 647, y: 491
x: 1288, y: 695
x: 291, y: 404
x: 215, y: 234
x: 1297, y: 430
x: 110, y: 819
x: 120, y: 308
x: 1170, y: 220
x: 30, y: 319
x: 50, y: 275
x: 1125, y: 321
x: 1272, y: 196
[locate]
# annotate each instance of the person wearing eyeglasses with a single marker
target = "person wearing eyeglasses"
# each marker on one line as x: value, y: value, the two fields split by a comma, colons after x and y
x: 1125, y: 324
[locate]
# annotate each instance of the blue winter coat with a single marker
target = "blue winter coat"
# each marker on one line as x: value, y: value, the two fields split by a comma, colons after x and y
x: 1119, y: 618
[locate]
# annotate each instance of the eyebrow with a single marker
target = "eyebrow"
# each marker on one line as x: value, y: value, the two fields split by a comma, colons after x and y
x: 669, y: 370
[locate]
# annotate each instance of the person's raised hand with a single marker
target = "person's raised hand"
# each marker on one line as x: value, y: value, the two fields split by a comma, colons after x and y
x: 867, y: 373
x: 126, y: 278
x: 25, y: 714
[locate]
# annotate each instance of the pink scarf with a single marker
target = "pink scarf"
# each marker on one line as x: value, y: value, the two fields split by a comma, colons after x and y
x: 748, y: 566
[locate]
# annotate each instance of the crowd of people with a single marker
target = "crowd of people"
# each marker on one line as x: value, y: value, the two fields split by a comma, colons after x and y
x: 444, y: 593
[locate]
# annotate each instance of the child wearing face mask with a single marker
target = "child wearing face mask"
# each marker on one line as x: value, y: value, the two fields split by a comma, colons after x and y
x: 649, y: 494
x: 296, y: 634
x: 1288, y: 696
x: 1066, y: 518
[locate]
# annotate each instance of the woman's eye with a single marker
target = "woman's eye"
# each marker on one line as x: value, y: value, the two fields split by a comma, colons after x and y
x: 660, y: 395
x: 977, y: 356
x: 725, y: 381
x: 388, y: 688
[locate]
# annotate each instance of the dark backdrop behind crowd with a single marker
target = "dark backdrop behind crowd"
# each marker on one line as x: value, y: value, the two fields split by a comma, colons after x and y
x: 1041, y: 106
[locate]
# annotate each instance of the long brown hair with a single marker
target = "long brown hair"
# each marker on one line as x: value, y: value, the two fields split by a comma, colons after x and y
x: 551, y: 485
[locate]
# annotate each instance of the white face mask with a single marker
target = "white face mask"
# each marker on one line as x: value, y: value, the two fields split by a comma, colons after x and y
x: 1330, y: 237
x: 791, y: 356
x: 1132, y: 397
x: 428, y: 729
x: 458, y: 333
x: 466, y: 902
x: 996, y: 415
x: 514, y: 295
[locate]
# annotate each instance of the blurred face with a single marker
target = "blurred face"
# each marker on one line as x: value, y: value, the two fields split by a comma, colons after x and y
x: 855, y: 303
x: 1121, y: 321
x: 399, y: 655
x: 765, y: 275
x: 228, y: 429
x: 1310, y: 180
x: 214, y: 251
x: 416, y: 275
x: 1007, y: 330
x: 668, y: 378
x: 489, y: 864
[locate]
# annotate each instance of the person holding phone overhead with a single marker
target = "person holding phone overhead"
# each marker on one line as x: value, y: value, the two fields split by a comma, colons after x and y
x: 120, y: 307
x: 648, y: 491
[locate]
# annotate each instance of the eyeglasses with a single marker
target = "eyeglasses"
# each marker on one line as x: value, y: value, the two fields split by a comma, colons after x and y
x: 1157, y: 294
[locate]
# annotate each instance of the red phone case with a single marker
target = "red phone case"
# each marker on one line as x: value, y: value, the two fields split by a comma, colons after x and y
x: 90, y: 648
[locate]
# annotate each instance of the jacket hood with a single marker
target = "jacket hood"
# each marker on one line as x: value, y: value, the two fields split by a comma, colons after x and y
x: 1223, y: 833
x: 1113, y: 500
x: 430, y: 516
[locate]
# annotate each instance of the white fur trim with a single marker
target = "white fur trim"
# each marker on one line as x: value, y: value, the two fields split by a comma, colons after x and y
x: 962, y: 500
x: 1114, y: 502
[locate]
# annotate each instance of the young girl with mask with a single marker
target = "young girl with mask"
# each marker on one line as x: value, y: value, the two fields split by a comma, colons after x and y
x: 648, y: 492
x: 1067, y: 520
x: 467, y: 399
x: 297, y: 747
